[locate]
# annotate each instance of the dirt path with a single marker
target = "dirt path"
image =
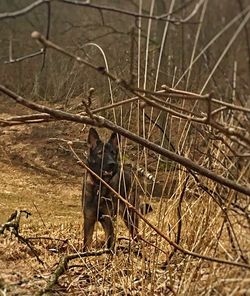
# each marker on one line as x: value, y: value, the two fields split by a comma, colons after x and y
x: 36, y: 174
x: 40, y: 194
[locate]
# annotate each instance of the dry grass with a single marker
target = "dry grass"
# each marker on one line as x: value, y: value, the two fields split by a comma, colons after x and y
x: 137, y: 268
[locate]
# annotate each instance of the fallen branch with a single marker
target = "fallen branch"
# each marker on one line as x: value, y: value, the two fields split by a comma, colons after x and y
x: 13, y: 224
x: 63, y: 266
x: 13, y: 221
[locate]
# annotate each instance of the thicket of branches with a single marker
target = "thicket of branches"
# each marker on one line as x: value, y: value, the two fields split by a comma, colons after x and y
x: 171, y: 76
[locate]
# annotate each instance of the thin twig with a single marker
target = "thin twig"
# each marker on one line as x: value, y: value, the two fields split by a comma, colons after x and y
x: 164, y: 17
x: 47, y: 33
x: 28, y: 56
x: 179, y: 223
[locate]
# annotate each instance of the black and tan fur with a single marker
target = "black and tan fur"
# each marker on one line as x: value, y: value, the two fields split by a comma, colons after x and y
x: 99, y: 204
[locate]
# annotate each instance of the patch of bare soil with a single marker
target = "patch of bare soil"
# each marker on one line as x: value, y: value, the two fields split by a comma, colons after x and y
x: 36, y: 168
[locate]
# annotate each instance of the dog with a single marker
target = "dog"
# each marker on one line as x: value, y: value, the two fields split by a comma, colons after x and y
x: 99, y: 203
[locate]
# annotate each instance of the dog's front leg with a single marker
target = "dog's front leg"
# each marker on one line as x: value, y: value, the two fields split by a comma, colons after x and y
x: 89, y: 224
x: 107, y: 224
x: 89, y: 203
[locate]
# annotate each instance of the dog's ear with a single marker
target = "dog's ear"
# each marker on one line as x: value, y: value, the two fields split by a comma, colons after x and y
x: 114, y: 140
x: 93, y: 138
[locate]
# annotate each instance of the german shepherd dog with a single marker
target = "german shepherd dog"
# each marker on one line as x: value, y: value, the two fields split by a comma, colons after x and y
x: 101, y: 205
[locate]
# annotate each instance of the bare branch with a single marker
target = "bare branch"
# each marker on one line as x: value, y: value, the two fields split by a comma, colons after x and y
x: 228, y: 131
x: 165, y: 17
x: 103, y: 122
x: 23, y: 11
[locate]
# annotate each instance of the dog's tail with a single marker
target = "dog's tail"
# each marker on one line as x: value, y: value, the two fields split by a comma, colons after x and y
x: 145, y: 208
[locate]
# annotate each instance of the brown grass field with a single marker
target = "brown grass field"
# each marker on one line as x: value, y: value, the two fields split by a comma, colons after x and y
x: 41, y: 178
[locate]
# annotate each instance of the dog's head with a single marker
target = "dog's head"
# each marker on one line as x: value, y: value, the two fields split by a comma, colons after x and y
x: 103, y: 156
